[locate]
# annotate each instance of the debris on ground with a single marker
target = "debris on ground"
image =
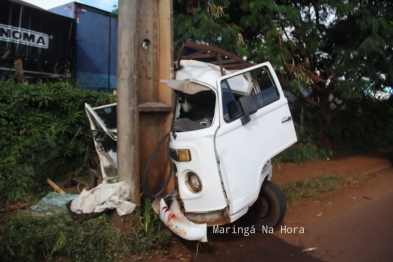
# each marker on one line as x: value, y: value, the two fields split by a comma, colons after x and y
x: 309, y: 249
x: 105, y: 196
x: 55, y: 186
x: 53, y: 203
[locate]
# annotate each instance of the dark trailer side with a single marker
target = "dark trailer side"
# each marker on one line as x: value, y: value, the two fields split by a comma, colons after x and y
x: 41, y: 40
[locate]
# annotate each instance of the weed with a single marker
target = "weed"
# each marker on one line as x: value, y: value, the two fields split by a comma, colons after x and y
x: 197, y: 250
x: 358, y: 177
x: 309, y: 188
x: 149, y: 219
x: 374, y: 175
x: 27, y: 238
x: 302, y: 153
x: 354, y: 181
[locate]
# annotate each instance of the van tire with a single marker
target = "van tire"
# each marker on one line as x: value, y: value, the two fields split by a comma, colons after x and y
x: 269, y: 209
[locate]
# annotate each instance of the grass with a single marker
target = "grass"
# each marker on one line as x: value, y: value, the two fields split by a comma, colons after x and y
x: 59, y: 238
x: 310, y: 188
x: 302, y: 153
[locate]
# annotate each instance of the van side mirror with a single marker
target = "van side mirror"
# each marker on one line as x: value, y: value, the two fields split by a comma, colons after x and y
x: 249, y: 107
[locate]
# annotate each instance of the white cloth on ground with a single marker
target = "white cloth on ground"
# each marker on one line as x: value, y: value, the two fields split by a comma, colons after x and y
x: 104, y: 196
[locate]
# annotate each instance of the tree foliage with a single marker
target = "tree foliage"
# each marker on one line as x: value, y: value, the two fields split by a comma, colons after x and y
x: 328, y: 51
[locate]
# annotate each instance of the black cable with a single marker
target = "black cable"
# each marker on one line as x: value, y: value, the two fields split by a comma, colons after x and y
x: 144, y: 189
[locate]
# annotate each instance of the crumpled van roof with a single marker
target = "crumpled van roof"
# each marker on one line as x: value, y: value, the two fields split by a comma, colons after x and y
x: 195, y: 76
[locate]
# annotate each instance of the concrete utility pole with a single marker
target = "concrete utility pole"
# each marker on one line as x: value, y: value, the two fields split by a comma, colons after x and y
x: 144, y: 104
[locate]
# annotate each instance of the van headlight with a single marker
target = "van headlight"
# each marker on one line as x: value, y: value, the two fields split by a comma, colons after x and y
x: 194, y: 182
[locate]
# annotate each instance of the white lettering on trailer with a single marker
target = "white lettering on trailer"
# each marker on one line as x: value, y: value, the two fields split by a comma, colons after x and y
x: 23, y: 36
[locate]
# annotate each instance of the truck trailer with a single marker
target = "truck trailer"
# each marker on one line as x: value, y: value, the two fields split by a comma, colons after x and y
x: 41, y: 41
x: 95, y: 46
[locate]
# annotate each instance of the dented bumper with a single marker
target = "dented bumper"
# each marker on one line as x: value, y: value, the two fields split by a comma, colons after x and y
x: 175, y: 220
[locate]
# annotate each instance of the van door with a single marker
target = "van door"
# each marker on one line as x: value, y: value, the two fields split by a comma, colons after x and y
x: 255, y: 125
x: 103, y: 118
x: 103, y: 125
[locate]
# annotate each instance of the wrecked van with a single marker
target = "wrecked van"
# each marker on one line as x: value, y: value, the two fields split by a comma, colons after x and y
x: 228, y: 124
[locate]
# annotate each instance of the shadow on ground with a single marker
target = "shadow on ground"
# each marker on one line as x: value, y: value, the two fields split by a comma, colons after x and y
x: 237, y: 247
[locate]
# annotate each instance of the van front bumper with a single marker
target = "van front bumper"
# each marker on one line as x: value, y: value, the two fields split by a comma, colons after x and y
x: 175, y: 220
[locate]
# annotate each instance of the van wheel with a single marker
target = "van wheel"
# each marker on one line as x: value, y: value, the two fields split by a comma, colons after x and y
x: 269, y: 209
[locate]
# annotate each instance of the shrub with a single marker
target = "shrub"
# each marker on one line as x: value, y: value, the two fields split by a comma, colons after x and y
x: 367, y: 125
x: 25, y: 238
x: 363, y: 125
x: 44, y: 133
x: 305, y: 149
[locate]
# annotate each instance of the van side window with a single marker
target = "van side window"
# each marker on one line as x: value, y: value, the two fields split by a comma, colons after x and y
x: 264, y: 90
x: 256, y: 83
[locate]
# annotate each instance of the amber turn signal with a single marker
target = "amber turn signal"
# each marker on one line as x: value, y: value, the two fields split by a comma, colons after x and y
x: 184, y: 155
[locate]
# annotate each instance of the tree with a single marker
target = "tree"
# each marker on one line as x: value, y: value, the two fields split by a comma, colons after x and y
x: 331, y: 51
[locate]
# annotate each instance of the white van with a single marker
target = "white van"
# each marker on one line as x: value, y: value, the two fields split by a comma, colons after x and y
x: 228, y: 125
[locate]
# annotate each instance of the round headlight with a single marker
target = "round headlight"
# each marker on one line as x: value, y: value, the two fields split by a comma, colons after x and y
x: 194, y: 182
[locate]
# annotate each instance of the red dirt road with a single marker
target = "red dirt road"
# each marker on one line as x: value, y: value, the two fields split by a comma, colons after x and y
x: 347, y: 166
x: 354, y: 224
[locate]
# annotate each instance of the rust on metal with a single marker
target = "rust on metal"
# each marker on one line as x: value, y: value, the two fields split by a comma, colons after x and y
x: 214, y: 218
x: 212, y: 55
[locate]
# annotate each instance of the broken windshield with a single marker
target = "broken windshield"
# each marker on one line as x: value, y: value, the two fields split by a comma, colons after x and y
x: 194, y: 112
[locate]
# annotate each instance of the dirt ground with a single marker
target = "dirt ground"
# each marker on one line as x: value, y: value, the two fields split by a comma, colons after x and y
x: 347, y: 166
x: 353, y: 224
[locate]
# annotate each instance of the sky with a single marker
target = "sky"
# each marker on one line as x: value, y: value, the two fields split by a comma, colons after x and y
x: 106, y: 5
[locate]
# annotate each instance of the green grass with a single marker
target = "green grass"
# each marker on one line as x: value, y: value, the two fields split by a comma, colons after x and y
x: 59, y: 238
x: 302, y: 153
x: 310, y: 188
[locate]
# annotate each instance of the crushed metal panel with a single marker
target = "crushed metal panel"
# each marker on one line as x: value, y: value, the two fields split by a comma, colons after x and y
x: 212, y: 55
x: 174, y: 219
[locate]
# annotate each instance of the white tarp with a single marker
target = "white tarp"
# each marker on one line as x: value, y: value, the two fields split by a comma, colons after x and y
x: 104, y: 196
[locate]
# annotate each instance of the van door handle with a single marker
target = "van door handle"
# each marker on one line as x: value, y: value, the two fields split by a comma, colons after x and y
x: 286, y: 119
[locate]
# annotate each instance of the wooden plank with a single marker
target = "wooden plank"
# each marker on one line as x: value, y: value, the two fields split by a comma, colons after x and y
x: 54, y: 186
